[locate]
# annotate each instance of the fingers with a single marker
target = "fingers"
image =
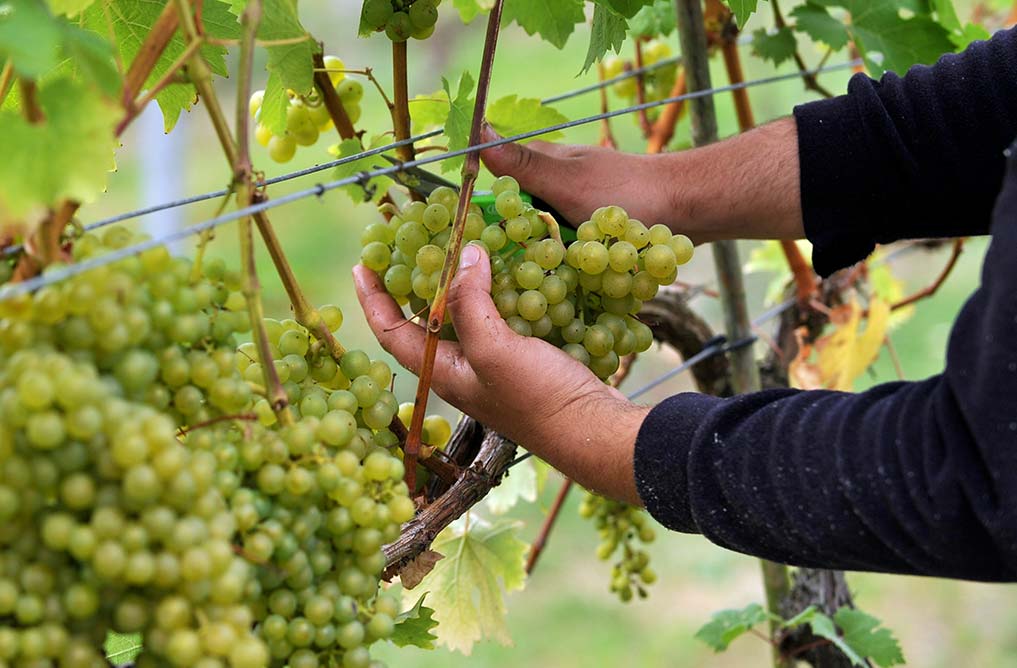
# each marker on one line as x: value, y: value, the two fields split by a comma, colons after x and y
x: 536, y: 166
x: 478, y: 324
x: 405, y: 340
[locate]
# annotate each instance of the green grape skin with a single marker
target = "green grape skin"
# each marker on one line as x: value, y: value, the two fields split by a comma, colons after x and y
x: 611, y: 220
x: 376, y: 256
x: 577, y: 352
x: 494, y: 238
x: 532, y: 305
x: 589, y: 231
x: 529, y: 275
x: 282, y: 149
x: 503, y: 183
x: 594, y: 257
x: 659, y: 261
x: 508, y: 204
x: 518, y: 228
x: 519, y: 325
x: 682, y: 247
x: 659, y: 234
x: 430, y: 258
x: 598, y: 340
x: 436, y: 217
x: 423, y: 15
x: 350, y: 92
x: 507, y: 302
x: 399, y: 27
x: 622, y: 256
x: 398, y: 280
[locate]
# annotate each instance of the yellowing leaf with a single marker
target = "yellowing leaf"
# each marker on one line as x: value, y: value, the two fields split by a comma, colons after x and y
x: 519, y: 483
x: 845, y: 353
x: 64, y: 157
x: 512, y: 115
x: 467, y: 587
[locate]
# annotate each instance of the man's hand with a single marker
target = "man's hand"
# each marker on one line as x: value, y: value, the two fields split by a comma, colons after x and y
x: 525, y: 388
x: 576, y: 180
x: 745, y: 187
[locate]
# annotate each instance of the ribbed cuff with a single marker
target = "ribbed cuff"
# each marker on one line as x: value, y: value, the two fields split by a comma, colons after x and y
x: 662, y: 457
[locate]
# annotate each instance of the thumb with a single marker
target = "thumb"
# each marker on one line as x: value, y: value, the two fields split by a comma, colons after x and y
x: 478, y: 324
x: 532, y: 168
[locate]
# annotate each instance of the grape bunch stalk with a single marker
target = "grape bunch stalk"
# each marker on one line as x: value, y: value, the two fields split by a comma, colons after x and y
x: 400, y: 19
x: 583, y: 299
x: 147, y: 486
x: 306, y: 115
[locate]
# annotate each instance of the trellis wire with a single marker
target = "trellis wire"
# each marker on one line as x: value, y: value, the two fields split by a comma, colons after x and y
x: 53, y: 276
x: 367, y: 153
x: 16, y: 248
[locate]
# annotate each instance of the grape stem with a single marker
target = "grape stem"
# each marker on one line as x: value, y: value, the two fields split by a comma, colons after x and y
x: 30, y: 101
x: 471, y: 167
x: 331, y: 100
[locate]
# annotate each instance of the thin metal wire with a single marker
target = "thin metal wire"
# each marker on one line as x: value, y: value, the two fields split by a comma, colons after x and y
x: 17, y: 248
x: 314, y: 169
x: 53, y: 276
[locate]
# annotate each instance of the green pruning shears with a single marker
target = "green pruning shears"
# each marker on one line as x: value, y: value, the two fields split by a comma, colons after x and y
x: 423, y: 183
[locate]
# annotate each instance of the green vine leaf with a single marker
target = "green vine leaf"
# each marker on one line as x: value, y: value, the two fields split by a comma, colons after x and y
x: 627, y: 8
x: 553, y: 20
x: 290, y: 66
x: 459, y: 119
x: 428, y: 112
x: 607, y: 33
x: 78, y: 128
x: 727, y: 625
x: 482, y: 563
x: 889, y: 42
x: 742, y: 10
x: 776, y: 45
x: 29, y: 37
x: 817, y: 23
x: 414, y: 626
x: 122, y: 648
x: 520, y: 484
x: 69, y: 7
x: 132, y: 20
x: 513, y: 115
x: 859, y: 637
x: 654, y: 20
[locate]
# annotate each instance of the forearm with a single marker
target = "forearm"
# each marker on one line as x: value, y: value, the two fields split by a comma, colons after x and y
x: 745, y: 187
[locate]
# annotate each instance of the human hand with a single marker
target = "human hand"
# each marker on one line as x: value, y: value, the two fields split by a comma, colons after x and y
x: 577, y: 180
x: 525, y: 388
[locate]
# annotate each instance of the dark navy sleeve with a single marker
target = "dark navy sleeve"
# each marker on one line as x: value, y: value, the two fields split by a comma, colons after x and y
x: 908, y: 477
x: 907, y: 157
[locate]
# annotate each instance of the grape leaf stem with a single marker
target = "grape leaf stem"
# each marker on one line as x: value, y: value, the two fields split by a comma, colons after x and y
x: 149, y: 52
x: 644, y: 118
x: 436, y: 318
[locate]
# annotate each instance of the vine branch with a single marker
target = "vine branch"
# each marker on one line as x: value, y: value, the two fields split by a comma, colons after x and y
x: 931, y: 289
x: 437, y: 315
x: 331, y: 100
x: 401, y: 105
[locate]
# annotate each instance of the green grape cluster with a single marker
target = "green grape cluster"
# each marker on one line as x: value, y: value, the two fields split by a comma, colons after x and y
x: 657, y: 83
x: 400, y: 19
x: 623, y: 527
x: 582, y: 299
x: 146, y: 487
x: 306, y: 116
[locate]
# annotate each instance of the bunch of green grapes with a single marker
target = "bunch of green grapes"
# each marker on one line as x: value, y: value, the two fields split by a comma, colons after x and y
x: 400, y: 19
x: 306, y: 116
x: 583, y: 299
x: 146, y: 487
x: 623, y: 527
x: 657, y: 83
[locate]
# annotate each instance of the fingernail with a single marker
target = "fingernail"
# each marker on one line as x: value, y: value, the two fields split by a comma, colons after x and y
x: 469, y: 257
x: 487, y: 133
